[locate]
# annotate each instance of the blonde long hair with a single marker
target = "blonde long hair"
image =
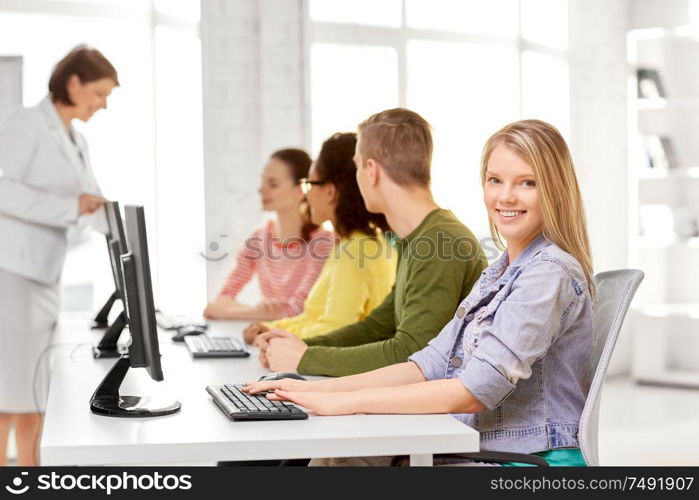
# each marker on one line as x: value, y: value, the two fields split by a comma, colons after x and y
x: 542, y: 147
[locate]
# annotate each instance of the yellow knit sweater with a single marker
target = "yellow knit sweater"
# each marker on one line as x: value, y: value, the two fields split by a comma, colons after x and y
x: 357, y: 276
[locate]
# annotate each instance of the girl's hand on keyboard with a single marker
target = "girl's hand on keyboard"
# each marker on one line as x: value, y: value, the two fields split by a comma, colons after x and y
x: 322, y: 403
x: 288, y: 384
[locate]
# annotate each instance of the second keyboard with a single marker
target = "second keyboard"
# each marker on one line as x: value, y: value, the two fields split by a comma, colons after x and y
x: 203, y: 346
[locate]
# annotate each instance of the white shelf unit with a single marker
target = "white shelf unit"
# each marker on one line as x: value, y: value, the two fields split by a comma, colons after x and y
x: 665, y: 209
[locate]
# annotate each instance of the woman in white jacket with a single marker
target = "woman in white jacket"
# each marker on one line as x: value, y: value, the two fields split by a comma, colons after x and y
x: 46, y: 186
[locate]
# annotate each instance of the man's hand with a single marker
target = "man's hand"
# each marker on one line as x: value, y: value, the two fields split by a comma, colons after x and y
x: 253, y: 330
x: 281, y: 350
x: 263, y: 359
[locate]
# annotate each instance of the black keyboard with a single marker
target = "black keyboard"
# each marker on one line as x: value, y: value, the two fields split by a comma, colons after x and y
x: 203, y: 346
x: 173, y: 322
x: 238, y: 405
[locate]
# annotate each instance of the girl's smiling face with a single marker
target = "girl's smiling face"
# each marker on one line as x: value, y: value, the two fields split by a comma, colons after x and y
x: 511, y: 197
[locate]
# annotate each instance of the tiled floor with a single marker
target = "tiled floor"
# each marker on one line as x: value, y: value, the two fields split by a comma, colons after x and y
x: 646, y: 425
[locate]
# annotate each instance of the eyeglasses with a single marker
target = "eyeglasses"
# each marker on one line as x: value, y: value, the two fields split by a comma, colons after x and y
x: 306, y: 185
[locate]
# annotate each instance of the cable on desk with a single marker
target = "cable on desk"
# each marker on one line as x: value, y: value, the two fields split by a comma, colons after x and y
x: 38, y: 364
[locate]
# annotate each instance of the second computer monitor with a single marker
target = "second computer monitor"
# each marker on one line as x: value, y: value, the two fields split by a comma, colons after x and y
x: 116, y: 243
x: 144, y: 350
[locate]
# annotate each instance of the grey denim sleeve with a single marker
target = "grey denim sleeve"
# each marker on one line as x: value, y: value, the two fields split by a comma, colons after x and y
x: 432, y: 359
x: 523, y: 328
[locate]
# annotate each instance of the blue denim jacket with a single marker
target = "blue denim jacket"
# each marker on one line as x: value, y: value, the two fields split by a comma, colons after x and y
x: 521, y: 343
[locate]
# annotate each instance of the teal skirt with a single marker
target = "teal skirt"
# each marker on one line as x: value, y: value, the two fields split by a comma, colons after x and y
x: 567, y: 457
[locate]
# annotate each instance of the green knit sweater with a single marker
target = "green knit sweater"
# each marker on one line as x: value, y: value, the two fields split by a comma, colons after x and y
x: 438, y: 264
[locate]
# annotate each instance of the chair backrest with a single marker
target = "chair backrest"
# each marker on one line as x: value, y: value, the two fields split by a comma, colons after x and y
x: 615, y: 290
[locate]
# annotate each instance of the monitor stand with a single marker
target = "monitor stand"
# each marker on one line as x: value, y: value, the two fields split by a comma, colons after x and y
x: 107, y: 401
x: 107, y: 348
x: 101, y: 319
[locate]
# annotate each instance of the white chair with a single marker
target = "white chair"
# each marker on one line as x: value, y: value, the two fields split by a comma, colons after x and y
x: 615, y: 290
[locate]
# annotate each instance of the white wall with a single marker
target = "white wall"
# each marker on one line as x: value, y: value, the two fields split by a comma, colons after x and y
x: 253, y: 104
x: 598, y: 96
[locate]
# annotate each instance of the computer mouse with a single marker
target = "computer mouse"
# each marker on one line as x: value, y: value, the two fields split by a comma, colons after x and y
x: 280, y: 375
x: 183, y: 331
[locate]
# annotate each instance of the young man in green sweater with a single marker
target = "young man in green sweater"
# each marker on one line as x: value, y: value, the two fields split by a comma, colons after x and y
x: 439, y: 259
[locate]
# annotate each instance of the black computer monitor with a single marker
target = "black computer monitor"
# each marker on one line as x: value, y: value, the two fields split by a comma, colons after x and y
x: 116, y: 243
x: 143, y: 350
x: 116, y: 247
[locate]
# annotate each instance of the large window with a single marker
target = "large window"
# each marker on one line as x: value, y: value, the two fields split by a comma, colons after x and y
x: 468, y: 66
x: 147, y: 147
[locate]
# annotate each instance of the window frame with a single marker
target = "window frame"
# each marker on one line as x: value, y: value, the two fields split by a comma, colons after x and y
x: 324, y: 32
x: 143, y: 12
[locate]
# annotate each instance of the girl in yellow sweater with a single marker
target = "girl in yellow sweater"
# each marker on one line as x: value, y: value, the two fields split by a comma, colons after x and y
x: 361, y: 268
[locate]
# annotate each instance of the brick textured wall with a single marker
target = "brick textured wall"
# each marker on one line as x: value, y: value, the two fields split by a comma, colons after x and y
x: 253, y: 88
x: 598, y: 100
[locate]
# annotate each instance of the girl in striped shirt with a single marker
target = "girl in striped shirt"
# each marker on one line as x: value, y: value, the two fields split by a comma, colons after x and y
x: 287, y: 254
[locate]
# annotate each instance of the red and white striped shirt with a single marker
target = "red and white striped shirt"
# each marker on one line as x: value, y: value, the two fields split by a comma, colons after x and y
x: 286, y: 270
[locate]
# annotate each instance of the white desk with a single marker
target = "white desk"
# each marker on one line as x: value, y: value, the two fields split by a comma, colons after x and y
x: 200, y: 432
